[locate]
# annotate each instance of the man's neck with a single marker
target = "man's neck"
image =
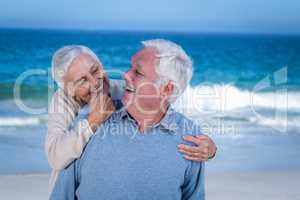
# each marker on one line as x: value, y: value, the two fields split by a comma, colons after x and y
x: 145, y: 121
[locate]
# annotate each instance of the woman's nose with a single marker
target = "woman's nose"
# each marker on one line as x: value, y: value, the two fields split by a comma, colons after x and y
x: 94, y: 82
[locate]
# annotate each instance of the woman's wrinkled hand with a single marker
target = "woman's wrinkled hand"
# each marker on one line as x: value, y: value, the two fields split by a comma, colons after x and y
x: 204, y: 150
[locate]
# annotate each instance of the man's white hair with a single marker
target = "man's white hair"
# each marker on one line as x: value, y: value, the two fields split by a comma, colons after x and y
x: 174, y: 65
x: 63, y: 58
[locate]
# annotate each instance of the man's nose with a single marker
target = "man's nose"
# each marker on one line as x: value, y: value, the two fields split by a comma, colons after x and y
x: 127, y: 76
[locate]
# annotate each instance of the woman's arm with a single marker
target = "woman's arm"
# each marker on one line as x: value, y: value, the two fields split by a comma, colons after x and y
x: 63, y: 144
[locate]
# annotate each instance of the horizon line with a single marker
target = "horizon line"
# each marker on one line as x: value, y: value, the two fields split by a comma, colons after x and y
x: 150, y: 31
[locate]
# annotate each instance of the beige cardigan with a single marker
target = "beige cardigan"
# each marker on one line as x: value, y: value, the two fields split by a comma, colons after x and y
x: 63, y: 145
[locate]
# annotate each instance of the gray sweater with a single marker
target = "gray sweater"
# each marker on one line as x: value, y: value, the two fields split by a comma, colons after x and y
x: 121, y: 163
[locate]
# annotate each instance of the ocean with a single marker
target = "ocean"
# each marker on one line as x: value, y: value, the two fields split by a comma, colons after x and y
x: 245, y: 92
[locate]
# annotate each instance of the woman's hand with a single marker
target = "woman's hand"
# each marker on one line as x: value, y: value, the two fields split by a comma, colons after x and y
x: 205, y: 148
x: 101, y: 108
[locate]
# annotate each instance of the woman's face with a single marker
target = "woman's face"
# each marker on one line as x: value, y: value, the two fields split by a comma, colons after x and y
x: 84, y: 75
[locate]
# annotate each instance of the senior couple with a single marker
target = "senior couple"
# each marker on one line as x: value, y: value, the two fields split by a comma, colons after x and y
x: 122, y: 139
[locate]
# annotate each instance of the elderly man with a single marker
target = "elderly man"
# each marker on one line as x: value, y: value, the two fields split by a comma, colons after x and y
x: 133, y: 155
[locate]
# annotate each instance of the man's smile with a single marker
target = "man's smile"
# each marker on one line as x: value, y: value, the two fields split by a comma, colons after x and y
x: 129, y: 89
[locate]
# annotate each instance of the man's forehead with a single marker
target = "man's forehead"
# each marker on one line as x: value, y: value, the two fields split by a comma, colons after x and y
x: 144, y: 54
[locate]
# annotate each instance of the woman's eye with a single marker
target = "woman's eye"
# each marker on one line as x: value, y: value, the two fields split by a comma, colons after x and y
x: 82, y: 81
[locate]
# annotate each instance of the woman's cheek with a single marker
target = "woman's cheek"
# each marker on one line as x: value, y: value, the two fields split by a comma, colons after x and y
x: 83, y: 93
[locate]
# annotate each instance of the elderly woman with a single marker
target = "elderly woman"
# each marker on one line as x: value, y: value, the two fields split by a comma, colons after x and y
x: 79, y: 75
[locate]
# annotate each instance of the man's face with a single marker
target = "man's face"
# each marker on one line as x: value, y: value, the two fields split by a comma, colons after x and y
x: 142, y: 94
x: 83, y: 76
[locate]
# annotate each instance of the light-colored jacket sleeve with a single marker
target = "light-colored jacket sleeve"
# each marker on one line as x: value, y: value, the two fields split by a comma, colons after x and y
x: 64, y: 144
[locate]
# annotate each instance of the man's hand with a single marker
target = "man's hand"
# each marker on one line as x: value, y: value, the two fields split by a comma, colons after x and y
x: 205, y: 148
x: 101, y: 107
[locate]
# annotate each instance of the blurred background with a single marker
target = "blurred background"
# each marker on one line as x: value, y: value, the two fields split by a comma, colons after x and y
x: 245, y: 92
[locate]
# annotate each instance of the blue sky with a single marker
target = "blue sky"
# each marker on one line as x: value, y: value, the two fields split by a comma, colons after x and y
x: 268, y: 16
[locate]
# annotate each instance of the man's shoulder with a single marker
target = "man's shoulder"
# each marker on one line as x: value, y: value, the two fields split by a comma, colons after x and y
x: 103, y: 131
x: 185, y: 125
x: 114, y: 120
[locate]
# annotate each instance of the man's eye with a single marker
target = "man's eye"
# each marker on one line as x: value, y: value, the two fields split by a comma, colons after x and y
x: 138, y: 72
x: 95, y: 72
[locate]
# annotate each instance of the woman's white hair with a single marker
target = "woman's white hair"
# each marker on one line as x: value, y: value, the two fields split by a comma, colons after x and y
x: 174, y: 65
x: 63, y: 58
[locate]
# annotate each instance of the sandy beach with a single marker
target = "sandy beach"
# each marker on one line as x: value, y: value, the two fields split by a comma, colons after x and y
x: 276, y: 185
x: 26, y: 187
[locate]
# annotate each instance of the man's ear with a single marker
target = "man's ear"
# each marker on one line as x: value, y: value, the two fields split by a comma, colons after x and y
x: 168, y: 89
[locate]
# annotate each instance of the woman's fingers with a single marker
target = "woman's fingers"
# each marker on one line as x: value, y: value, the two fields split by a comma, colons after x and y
x: 203, y: 141
x: 193, y: 139
x: 201, y: 153
x: 188, y: 148
x: 188, y: 153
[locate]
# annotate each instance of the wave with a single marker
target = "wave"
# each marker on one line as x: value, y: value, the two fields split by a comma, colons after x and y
x: 277, y: 109
x: 225, y: 98
x: 21, y: 121
x: 281, y: 124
